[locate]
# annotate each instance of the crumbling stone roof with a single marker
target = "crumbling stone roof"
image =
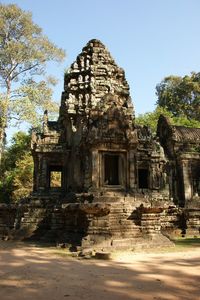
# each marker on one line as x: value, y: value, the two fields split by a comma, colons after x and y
x: 185, y: 134
x: 180, y: 134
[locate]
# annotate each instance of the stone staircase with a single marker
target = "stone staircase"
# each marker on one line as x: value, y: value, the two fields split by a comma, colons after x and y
x: 123, y: 223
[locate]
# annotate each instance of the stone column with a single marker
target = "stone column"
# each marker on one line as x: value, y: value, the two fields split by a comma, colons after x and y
x: 132, y: 169
x: 43, y: 180
x: 155, y: 176
x: 77, y: 180
x: 35, y: 173
x: 95, y: 169
x: 87, y: 171
x: 186, y: 180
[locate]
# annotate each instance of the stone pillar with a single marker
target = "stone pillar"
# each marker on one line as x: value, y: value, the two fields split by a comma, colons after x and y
x: 132, y: 169
x: 186, y: 180
x: 65, y: 175
x: 35, y: 173
x: 43, y: 180
x: 77, y: 180
x: 95, y: 169
x: 155, y: 176
x: 87, y: 174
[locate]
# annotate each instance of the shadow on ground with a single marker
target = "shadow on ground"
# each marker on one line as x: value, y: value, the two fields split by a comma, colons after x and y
x: 29, y: 272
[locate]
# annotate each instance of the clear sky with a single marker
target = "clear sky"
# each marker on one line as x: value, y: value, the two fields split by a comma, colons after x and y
x: 149, y: 39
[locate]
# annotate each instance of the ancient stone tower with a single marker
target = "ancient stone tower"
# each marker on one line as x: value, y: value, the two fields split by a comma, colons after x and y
x: 95, y: 145
x: 99, y: 179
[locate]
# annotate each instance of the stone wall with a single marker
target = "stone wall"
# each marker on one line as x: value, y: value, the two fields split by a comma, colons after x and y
x: 7, y: 219
x: 121, y: 224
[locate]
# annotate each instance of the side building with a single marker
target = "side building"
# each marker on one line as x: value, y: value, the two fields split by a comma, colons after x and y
x: 182, y: 148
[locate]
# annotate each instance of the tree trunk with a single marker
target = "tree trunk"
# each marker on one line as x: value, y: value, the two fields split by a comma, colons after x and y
x: 4, y: 118
x: 2, y: 142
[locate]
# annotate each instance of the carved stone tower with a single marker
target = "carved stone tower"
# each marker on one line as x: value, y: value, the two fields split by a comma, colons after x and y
x: 94, y: 169
x: 91, y: 142
x: 94, y: 147
x: 99, y: 179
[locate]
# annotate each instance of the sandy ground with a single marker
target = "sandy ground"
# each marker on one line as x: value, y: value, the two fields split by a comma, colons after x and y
x: 28, y: 272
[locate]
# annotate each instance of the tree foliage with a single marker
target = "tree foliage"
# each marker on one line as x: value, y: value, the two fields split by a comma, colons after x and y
x: 178, y: 99
x: 16, y: 174
x: 23, y: 178
x: 151, y: 119
x: 180, y: 95
x: 24, y: 53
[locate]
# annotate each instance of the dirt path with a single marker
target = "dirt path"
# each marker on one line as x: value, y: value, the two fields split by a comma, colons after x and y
x: 28, y: 272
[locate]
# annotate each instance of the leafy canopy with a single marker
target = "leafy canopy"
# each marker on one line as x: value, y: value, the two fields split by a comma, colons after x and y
x: 23, y: 46
x: 178, y: 99
x: 180, y: 95
x: 16, y: 173
x: 151, y: 119
x: 24, y: 53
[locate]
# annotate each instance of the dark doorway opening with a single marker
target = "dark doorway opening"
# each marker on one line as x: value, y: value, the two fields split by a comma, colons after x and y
x: 111, y: 168
x: 143, y: 176
x: 196, y: 179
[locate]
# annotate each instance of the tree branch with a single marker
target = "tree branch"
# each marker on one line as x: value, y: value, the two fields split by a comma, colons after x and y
x: 24, y: 70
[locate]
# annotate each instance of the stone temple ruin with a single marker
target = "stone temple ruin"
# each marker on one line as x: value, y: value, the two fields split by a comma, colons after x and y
x: 99, y: 179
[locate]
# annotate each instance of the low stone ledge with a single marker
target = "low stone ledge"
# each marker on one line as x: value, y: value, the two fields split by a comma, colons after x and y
x: 97, y: 209
x: 102, y: 255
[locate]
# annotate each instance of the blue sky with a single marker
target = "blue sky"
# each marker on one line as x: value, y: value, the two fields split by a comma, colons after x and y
x: 149, y: 39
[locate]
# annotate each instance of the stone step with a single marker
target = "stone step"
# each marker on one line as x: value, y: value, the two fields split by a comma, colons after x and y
x: 129, y: 236
x: 121, y: 222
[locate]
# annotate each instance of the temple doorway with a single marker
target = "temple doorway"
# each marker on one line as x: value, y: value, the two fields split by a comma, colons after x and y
x: 111, y: 169
x: 196, y: 178
x: 143, y: 175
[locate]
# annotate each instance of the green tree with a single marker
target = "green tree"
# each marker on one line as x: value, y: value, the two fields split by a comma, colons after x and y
x: 23, y: 178
x: 16, y: 173
x: 151, y: 119
x: 24, y: 52
x: 180, y: 95
x: 20, y: 145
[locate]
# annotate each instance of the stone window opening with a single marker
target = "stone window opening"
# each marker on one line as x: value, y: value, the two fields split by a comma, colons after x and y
x: 55, y: 177
x: 143, y: 178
